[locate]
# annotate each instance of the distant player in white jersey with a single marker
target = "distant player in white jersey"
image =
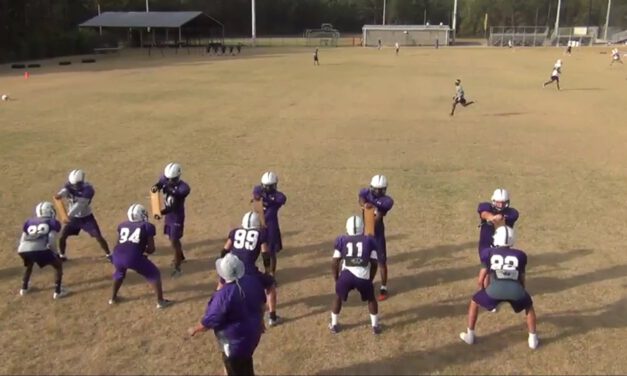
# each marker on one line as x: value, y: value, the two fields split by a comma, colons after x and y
x: 38, y: 245
x: 459, y: 96
x: 616, y: 57
x: 397, y: 47
x: 555, y: 74
x: 315, y: 57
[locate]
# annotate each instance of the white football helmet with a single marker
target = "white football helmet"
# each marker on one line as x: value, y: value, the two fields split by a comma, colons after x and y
x: 269, y: 178
x: 504, y: 236
x: 500, y: 195
x: 354, y: 225
x: 45, y: 209
x: 379, y: 182
x: 137, y: 213
x: 172, y: 170
x: 251, y: 221
x: 76, y: 176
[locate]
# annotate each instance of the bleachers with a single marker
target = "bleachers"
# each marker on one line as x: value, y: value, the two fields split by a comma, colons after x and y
x: 584, y: 35
x: 526, y: 36
x: 619, y: 37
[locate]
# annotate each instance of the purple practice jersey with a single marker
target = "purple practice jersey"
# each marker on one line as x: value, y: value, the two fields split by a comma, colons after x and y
x: 247, y: 245
x: 356, y: 253
x: 174, y: 195
x: 487, y: 229
x: 504, y: 264
x: 383, y: 204
x: 133, y: 238
x: 36, y: 235
x: 272, y: 202
x: 228, y: 313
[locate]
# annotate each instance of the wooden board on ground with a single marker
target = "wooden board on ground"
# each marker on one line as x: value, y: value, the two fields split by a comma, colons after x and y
x: 61, y: 211
x: 156, y: 202
x: 369, y: 218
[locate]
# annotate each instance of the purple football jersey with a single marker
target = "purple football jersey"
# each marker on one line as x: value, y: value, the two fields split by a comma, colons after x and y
x: 35, y: 233
x: 504, y: 263
x: 383, y: 204
x: 79, y: 198
x: 174, y: 196
x: 357, y: 250
x: 247, y: 245
x: 133, y: 239
x: 84, y: 190
x: 272, y: 202
x: 487, y: 229
x: 228, y: 313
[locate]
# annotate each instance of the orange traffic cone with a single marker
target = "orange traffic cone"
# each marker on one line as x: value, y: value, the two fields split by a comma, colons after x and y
x: 26, y: 75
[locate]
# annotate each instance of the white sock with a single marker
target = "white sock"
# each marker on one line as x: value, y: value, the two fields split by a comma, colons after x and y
x: 470, y: 332
x: 334, y: 318
x: 383, y: 288
x: 374, y: 320
x: 533, y: 335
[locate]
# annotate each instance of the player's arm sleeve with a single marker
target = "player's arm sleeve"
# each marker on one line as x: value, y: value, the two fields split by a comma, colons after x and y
x: 151, y: 231
x: 485, y: 260
x: 22, y: 241
x: 512, y: 217
x: 183, y: 191
x: 80, y: 204
x: 215, y: 314
x: 160, y: 182
x: 485, y: 210
x: 63, y: 192
x: 52, y: 241
x: 257, y: 190
x: 337, y: 248
x: 522, y: 267
x: 386, y: 206
x: 363, y: 195
x: 281, y: 199
x: 484, y: 207
x: 89, y: 192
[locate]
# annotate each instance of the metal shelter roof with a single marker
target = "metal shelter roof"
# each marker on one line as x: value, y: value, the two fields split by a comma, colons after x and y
x: 406, y: 27
x: 142, y: 19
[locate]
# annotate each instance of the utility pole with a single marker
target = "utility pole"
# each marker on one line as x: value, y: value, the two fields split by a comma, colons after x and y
x: 454, y: 20
x: 100, y: 28
x: 254, y: 23
x: 557, y: 17
x: 384, y: 6
x: 607, y: 18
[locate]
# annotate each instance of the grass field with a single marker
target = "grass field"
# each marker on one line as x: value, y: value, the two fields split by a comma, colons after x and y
x: 326, y: 130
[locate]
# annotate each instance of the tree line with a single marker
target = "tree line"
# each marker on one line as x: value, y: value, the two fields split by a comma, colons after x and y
x: 45, y: 28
